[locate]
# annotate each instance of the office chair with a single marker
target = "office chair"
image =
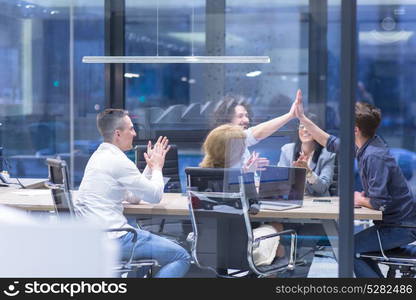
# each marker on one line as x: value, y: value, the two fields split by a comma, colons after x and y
x: 220, y: 204
x: 401, y: 258
x: 58, y: 182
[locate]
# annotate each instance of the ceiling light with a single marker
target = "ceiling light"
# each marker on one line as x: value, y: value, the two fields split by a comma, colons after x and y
x: 176, y: 59
x: 253, y: 74
x: 131, y: 75
x: 375, y: 37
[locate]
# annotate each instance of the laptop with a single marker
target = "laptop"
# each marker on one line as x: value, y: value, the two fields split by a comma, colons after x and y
x: 281, y: 188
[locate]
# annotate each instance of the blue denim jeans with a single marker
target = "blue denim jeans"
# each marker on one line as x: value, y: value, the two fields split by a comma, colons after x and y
x: 175, y: 261
x: 367, y: 241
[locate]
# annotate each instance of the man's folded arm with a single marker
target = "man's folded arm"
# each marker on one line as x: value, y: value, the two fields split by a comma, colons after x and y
x: 149, y: 190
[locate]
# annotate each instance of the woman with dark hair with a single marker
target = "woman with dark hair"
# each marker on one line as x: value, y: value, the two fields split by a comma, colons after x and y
x: 309, y: 154
x: 306, y: 153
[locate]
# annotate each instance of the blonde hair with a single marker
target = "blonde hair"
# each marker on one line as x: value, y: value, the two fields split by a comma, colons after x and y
x: 224, y: 147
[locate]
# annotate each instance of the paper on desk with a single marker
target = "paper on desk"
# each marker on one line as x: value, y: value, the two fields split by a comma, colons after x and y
x: 32, y: 192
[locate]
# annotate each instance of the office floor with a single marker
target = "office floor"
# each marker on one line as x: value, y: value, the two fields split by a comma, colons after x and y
x: 323, y: 266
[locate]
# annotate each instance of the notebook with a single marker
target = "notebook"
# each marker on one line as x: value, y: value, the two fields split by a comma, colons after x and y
x: 281, y: 188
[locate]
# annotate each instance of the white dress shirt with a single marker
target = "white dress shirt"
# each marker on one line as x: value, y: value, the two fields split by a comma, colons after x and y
x: 110, y: 178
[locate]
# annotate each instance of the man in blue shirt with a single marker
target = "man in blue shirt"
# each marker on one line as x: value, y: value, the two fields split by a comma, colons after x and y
x: 384, y: 185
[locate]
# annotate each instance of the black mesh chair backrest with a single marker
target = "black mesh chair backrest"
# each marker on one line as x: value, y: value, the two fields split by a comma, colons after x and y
x: 59, y: 184
x: 221, y: 180
x: 225, y: 248
x: 170, y: 169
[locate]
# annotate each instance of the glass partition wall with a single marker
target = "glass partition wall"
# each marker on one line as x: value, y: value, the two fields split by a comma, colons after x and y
x: 185, y: 101
x: 49, y: 98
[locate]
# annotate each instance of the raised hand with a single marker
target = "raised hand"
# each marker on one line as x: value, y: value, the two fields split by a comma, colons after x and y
x: 299, y: 111
x: 155, y: 156
x: 255, y: 163
x: 161, y: 140
x: 292, y: 111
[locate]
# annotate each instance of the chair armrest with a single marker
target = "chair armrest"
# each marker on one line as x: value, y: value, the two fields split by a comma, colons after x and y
x: 53, y: 186
x: 133, y: 240
x: 131, y: 230
x: 259, y: 239
x: 293, y: 244
x: 379, y: 238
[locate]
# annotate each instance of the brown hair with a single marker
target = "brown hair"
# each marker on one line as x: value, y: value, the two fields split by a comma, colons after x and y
x: 367, y: 118
x: 223, y: 147
x: 224, y: 114
x: 109, y: 120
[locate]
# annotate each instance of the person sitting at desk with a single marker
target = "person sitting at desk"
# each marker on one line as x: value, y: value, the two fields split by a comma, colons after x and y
x: 224, y: 148
x: 385, y: 187
x: 234, y: 110
x: 306, y: 153
x: 111, y: 177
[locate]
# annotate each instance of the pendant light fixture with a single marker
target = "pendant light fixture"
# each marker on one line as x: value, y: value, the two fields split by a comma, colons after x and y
x: 176, y: 59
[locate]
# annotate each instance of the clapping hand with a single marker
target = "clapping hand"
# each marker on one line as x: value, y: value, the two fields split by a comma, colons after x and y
x: 155, y: 156
x: 255, y: 163
x: 302, y: 162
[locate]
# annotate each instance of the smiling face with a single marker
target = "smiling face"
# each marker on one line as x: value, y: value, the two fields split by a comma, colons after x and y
x: 304, y: 134
x: 241, y: 117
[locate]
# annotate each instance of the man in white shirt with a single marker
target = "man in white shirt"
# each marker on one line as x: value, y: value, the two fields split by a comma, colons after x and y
x: 111, y: 177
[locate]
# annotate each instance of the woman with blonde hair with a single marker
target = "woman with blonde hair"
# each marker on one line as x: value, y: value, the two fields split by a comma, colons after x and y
x: 224, y: 147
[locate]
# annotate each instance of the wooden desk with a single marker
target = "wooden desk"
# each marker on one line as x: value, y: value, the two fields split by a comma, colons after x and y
x: 27, y: 199
x: 176, y: 206
x: 29, y: 183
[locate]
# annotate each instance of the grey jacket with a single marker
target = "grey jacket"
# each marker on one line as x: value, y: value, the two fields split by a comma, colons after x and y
x: 324, y: 169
